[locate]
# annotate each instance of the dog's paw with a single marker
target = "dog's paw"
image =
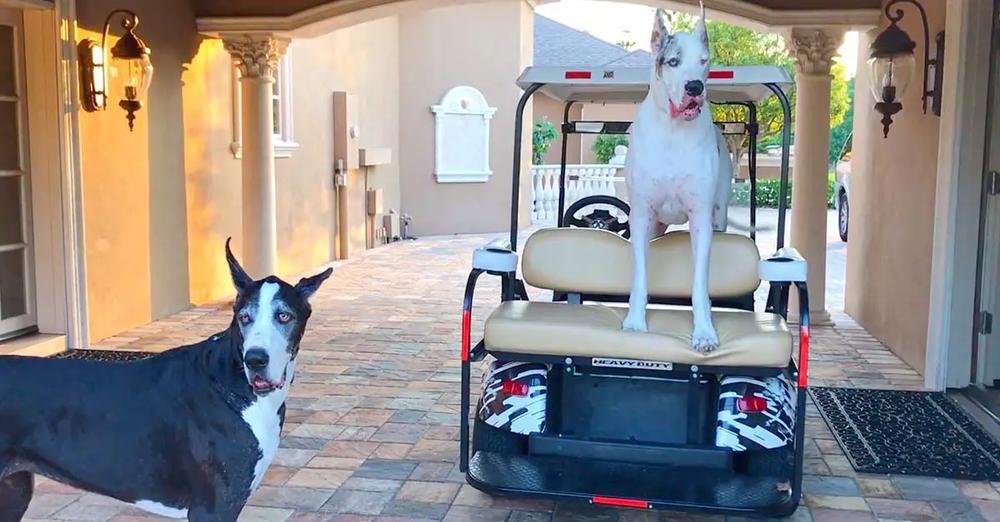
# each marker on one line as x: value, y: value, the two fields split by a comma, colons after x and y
x: 634, y: 323
x: 704, y: 340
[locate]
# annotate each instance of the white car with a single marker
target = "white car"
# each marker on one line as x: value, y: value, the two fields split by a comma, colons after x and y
x: 842, y: 190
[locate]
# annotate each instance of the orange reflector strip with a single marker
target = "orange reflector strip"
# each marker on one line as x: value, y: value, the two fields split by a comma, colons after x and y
x: 620, y: 502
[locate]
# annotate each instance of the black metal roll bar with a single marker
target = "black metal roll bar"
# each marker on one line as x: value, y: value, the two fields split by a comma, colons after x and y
x: 752, y: 160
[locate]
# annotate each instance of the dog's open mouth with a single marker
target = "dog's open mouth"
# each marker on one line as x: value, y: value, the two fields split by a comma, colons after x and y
x: 689, y: 108
x: 263, y: 386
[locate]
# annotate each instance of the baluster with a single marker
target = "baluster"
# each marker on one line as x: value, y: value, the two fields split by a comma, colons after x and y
x: 536, y: 195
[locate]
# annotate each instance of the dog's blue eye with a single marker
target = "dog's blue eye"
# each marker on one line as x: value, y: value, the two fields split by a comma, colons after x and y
x: 673, y: 62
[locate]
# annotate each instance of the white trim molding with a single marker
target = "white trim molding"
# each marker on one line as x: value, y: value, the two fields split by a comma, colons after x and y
x: 462, y: 136
x: 961, y: 148
x: 340, y: 13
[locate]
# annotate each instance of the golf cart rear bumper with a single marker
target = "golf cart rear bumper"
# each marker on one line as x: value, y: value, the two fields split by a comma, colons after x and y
x: 621, y: 484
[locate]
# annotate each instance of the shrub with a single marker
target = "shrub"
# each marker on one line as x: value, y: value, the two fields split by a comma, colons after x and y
x: 604, y: 146
x: 767, y: 193
x: 541, y: 137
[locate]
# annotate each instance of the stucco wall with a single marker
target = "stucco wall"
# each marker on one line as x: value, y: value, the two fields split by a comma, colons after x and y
x: 548, y: 108
x: 160, y: 201
x: 892, y: 210
x: 485, y: 46
x: 133, y: 182
x: 362, y: 60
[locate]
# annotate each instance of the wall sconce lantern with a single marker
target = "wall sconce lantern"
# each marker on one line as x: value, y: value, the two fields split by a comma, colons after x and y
x: 129, y: 58
x: 891, y: 63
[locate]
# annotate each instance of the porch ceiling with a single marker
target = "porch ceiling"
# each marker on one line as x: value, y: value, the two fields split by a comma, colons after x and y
x: 318, y: 16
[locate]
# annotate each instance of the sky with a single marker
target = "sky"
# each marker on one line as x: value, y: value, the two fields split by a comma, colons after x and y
x: 614, y: 22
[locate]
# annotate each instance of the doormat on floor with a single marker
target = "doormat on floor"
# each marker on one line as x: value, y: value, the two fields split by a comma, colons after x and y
x: 105, y: 355
x: 908, y: 433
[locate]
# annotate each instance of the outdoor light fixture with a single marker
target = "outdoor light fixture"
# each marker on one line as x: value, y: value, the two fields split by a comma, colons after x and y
x: 129, y: 59
x: 891, y: 63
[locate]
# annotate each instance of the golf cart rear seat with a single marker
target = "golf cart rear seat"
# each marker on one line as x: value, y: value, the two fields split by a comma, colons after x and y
x: 591, y: 261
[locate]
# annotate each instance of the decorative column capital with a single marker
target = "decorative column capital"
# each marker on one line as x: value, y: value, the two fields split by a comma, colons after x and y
x: 813, y: 48
x: 256, y: 55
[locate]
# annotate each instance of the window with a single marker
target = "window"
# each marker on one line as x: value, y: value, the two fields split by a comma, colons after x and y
x: 281, y: 109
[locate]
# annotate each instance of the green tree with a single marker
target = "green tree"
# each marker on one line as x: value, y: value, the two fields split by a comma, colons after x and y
x: 732, y: 45
x: 604, y: 146
x: 842, y: 132
x: 541, y: 137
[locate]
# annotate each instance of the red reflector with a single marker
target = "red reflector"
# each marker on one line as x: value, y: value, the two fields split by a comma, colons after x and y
x: 519, y: 389
x: 620, y: 502
x: 720, y: 75
x: 751, y: 404
x: 578, y: 75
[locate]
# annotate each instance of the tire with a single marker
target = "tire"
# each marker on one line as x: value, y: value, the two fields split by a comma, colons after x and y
x: 843, y: 216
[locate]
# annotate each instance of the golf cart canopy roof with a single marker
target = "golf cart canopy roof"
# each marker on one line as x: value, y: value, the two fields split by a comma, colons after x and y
x: 740, y: 83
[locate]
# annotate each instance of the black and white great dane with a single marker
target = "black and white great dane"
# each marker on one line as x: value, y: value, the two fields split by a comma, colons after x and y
x: 187, y: 433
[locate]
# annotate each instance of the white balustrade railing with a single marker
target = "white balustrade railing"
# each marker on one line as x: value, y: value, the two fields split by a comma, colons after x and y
x: 581, y: 181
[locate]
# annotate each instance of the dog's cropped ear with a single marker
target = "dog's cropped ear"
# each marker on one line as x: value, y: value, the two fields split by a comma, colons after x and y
x: 307, y: 286
x: 660, y: 33
x: 700, y: 29
x: 241, y: 280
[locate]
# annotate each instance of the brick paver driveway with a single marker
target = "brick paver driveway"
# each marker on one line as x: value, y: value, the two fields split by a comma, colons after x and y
x: 372, y: 423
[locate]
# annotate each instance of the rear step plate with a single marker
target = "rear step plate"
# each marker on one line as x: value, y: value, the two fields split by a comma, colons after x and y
x: 634, y: 452
x: 662, y: 487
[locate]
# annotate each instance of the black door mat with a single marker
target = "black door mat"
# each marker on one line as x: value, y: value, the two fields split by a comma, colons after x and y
x: 908, y: 433
x: 105, y: 355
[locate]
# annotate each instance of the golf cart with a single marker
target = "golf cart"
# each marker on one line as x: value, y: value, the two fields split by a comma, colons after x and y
x: 574, y: 408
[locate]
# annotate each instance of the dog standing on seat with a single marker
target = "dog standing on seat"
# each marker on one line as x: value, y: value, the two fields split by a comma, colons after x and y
x: 678, y: 169
x: 187, y: 434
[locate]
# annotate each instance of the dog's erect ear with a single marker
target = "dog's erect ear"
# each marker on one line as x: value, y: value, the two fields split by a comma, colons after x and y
x: 700, y: 29
x: 240, y: 278
x: 307, y: 286
x: 660, y: 33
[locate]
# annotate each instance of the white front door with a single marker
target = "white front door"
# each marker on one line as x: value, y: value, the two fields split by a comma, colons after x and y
x: 17, y: 300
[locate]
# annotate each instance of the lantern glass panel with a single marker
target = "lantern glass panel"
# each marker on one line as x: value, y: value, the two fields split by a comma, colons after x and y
x: 136, y: 73
x: 891, y: 71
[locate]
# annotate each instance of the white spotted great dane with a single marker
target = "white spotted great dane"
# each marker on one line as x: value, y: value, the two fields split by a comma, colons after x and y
x: 678, y: 169
x: 187, y: 434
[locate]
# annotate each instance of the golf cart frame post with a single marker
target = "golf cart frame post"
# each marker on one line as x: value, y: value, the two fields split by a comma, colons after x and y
x: 505, y: 266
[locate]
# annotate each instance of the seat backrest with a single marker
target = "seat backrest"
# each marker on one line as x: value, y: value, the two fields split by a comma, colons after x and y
x: 598, y: 262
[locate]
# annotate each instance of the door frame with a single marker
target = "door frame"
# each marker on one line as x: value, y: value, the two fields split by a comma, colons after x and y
x: 53, y: 109
x: 961, y: 146
x: 988, y: 234
x: 26, y: 322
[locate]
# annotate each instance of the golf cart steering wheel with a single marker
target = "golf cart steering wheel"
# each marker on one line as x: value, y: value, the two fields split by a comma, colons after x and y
x: 599, y: 218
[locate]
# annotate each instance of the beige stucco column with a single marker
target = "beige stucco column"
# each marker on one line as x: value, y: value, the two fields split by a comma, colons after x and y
x: 813, y: 50
x: 256, y: 56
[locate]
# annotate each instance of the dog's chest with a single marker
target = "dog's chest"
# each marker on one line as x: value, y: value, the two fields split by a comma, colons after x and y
x: 264, y: 421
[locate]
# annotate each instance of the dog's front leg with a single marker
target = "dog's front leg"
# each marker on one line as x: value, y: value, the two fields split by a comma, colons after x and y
x: 641, y: 225
x: 704, y: 337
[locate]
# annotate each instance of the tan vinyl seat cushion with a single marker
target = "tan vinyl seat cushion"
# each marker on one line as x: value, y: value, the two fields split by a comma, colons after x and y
x: 592, y: 261
x: 592, y: 330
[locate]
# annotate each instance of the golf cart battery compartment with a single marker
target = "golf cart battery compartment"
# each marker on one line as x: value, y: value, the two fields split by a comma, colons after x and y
x: 639, y: 453
x: 640, y: 408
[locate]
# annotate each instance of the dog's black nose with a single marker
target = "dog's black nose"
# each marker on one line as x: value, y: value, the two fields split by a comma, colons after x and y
x: 694, y: 87
x: 256, y: 359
